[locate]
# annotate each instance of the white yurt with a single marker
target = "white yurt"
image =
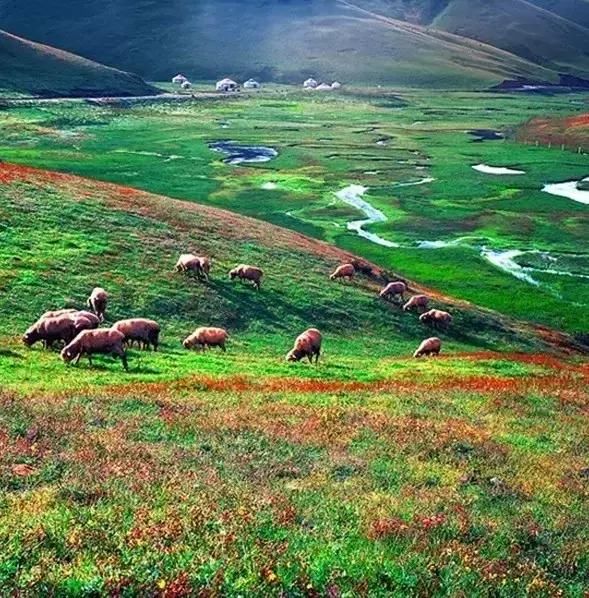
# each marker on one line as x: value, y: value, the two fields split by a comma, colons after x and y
x: 323, y: 87
x: 336, y: 85
x: 251, y: 84
x: 310, y: 83
x: 186, y: 85
x: 226, y: 85
x: 179, y: 79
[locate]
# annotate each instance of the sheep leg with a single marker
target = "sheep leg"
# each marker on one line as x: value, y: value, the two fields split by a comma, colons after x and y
x: 77, y: 358
x: 120, y: 352
x: 317, y: 354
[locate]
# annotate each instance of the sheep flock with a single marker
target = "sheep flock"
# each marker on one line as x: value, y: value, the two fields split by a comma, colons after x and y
x: 82, y: 332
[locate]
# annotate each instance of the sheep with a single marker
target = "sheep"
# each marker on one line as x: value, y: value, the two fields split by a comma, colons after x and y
x: 418, y: 302
x: 248, y: 273
x: 199, y: 265
x: 145, y: 332
x: 97, y: 302
x: 307, y: 344
x: 93, y: 318
x: 89, y: 342
x: 50, y: 330
x: 430, y: 346
x: 82, y: 322
x: 205, y: 338
x: 343, y: 271
x: 437, y: 318
x: 56, y: 313
x: 394, y: 289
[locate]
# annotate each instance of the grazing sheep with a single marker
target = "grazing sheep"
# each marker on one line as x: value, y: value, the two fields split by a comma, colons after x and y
x: 205, y: 338
x: 97, y: 302
x: 249, y: 273
x: 89, y: 342
x: 50, y: 330
x: 82, y: 322
x: 394, y: 289
x: 94, y: 319
x: 436, y: 318
x: 145, y: 332
x: 307, y: 344
x: 57, y: 313
x: 344, y: 271
x: 190, y: 263
x: 418, y: 302
x: 430, y: 346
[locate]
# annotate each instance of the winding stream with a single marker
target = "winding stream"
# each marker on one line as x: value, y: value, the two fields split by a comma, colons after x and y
x: 352, y: 195
x: 504, y: 260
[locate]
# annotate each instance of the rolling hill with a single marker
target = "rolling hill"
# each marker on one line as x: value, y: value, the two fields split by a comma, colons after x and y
x: 39, y: 70
x: 237, y: 473
x: 367, y: 41
x: 532, y: 32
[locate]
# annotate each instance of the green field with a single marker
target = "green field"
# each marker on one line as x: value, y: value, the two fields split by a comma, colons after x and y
x: 328, y: 142
x: 239, y: 474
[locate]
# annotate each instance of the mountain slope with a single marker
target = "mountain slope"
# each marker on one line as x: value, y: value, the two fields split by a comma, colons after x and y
x: 28, y: 67
x: 283, y: 41
x: 576, y: 11
x: 520, y: 27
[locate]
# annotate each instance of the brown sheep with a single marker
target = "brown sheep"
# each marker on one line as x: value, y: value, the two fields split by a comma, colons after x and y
x: 97, y: 302
x: 190, y: 263
x: 205, y: 338
x: 57, y: 313
x: 436, y: 318
x: 145, y: 332
x: 430, y: 346
x: 89, y: 342
x: 418, y: 302
x: 249, y: 273
x: 50, y: 330
x: 82, y: 322
x: 343, y: 271
x: 307, y: 344
x: 93, y: 318
x: 394, y: 289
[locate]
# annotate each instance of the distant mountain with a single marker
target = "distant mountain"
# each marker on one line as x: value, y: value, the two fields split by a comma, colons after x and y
x: 526, y: 28
x: 442, y: 43
x: 36, y: 69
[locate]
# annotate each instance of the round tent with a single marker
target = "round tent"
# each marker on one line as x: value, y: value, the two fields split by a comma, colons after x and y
x: 227, y: 85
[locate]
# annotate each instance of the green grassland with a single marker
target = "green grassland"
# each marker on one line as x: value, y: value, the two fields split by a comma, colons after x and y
x: 238, y: 474
x: 328, y: 142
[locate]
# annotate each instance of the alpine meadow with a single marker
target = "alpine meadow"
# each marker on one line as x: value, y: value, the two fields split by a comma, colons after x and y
x: 294, y: 298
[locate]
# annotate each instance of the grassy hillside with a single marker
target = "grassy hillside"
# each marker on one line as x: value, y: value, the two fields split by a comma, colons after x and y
x: 237, y: 473
x: 576, y: 11
x: 517, y: 26
x: 280, y: 41
x: 573, y: 132
x: 414, y: 154
x: 35, y: 69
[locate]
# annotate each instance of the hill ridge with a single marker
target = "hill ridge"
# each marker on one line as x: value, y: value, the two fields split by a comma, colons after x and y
x: 40, y: 69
